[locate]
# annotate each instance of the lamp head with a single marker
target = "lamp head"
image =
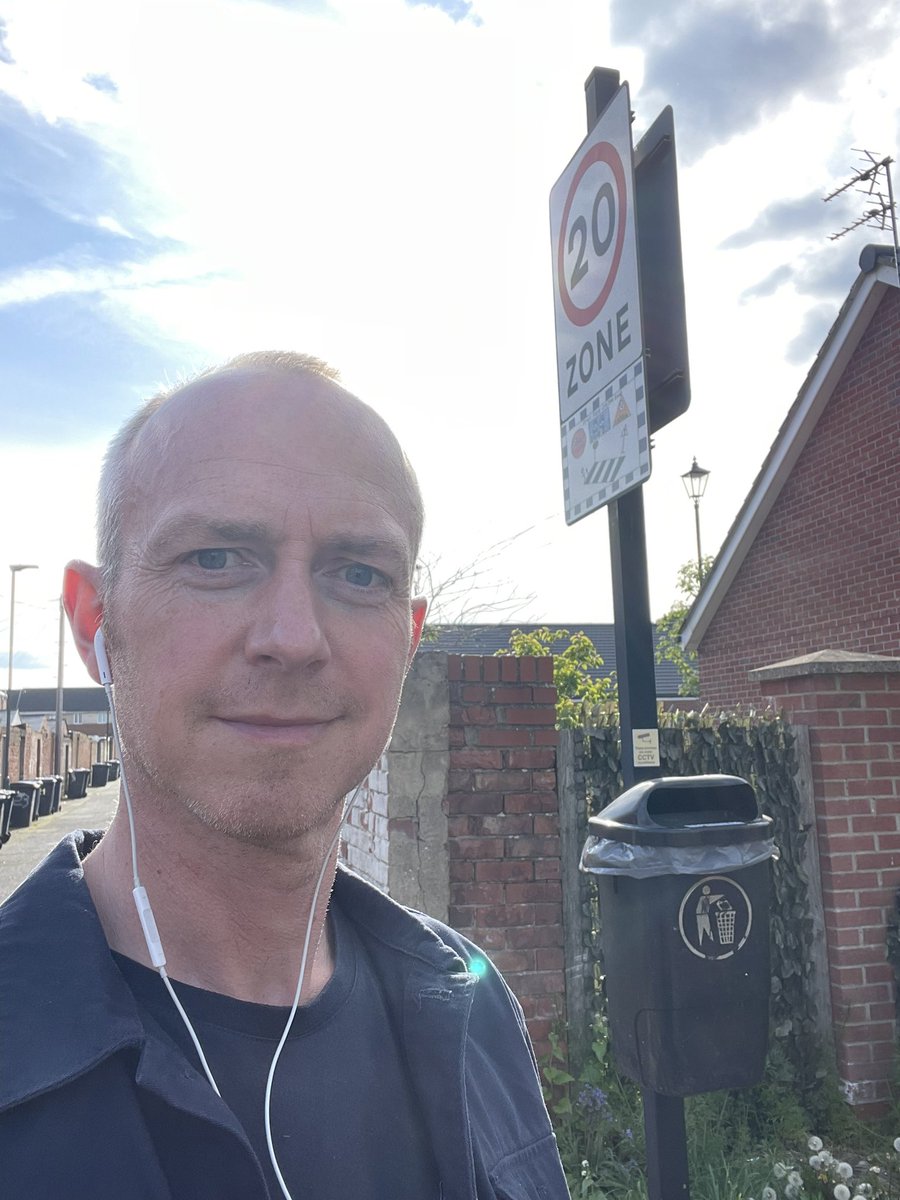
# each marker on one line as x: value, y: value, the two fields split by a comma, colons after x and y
x: 695, y: 481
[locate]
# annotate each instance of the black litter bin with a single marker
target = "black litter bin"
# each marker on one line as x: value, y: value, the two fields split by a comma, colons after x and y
x: 6, y: 806
x: 77, y: 782
x: 46, y: 797
x: 113, y: 769
x: 683, y: 874
x: 25, y: 803
x: 100, y: 774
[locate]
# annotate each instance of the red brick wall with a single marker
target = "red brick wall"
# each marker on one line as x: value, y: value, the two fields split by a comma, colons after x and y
x: 30, y: 753
x: 823, y: 571
x: 83, y: 752
x: 854, y: 722
x: 503, y: 826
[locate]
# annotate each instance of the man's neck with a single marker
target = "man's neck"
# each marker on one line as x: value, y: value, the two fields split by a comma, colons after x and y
x: 232, y: 917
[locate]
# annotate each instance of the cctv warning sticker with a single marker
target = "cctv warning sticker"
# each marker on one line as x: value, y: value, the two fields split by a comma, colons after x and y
x: 715, y: 918
x: 645, y: 744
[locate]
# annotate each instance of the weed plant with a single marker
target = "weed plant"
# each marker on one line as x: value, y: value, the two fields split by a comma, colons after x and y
x: 742, y: 1145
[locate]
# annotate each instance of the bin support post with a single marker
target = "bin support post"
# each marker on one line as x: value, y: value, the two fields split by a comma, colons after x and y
x: 666, y: 1143
x: 666, y: 1147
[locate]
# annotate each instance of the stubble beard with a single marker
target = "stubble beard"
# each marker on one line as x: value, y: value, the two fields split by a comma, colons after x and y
x: 271, y: 802
x: 272, y: 810
x: 279, y: 805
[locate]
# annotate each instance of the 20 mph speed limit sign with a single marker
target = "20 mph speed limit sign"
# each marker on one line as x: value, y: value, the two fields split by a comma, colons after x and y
x: 596, y: 297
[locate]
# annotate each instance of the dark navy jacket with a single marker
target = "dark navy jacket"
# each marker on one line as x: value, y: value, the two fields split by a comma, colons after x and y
x: 95, y: 1107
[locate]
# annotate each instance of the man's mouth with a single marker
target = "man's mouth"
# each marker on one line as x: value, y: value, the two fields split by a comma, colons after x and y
x: 271, y: 727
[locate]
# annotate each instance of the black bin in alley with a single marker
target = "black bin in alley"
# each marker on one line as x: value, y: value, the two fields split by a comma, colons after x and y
x: 682, y: 867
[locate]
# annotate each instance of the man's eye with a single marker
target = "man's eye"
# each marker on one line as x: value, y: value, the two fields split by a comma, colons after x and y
x: 214, y: 560
x: 362, y: 576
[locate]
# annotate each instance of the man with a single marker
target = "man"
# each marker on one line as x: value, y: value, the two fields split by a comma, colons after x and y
x: 257, y: 531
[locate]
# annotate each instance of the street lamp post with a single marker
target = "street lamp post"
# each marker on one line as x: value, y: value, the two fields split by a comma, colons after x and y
x: 13, y: 570
x: 694, y: 482
x: 57, y: 737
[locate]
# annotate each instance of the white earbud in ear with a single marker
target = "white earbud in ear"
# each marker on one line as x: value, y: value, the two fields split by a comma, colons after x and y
x: 102, y: 660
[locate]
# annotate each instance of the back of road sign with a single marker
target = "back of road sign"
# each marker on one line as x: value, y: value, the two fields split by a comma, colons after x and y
x: 597, y: 303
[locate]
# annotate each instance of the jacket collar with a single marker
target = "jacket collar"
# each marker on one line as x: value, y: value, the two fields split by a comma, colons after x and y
x: 59, y: 981
x: 395, y: 927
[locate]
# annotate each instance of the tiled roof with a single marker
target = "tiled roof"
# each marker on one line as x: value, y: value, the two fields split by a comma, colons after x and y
x: 43, y: 700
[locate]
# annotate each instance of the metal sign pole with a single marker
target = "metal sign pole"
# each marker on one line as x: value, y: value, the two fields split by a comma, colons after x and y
x: 664, y: 1129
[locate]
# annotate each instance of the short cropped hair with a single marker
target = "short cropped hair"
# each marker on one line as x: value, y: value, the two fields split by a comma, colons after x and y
x: 117, y: 462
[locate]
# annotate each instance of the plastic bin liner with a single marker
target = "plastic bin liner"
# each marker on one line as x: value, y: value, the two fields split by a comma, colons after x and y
x: 603, y: 856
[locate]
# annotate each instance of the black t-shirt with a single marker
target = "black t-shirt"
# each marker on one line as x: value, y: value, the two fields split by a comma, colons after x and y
x: 345, y: 1118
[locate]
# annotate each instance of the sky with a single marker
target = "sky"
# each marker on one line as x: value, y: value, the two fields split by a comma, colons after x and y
x: 368, y: 181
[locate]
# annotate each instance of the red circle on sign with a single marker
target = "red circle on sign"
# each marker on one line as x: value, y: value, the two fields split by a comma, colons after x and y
x: 606, y: 153
x: 579, y: 441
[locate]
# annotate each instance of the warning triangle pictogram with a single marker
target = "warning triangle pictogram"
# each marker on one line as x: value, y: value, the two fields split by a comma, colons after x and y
x: 623, y: 412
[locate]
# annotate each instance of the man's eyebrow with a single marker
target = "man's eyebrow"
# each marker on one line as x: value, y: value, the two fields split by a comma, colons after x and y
x: 356, y: 545
x: 200, y: 528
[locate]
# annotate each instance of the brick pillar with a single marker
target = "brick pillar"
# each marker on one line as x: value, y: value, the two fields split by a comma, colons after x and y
x: 503, y: 826
x: 851, y: 703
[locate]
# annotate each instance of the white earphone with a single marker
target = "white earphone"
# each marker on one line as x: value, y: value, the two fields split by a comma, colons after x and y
x: 102, y: 660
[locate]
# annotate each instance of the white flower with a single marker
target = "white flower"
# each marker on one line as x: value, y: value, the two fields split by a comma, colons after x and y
x: 795, y: 1178
x: 815, y: 1162
x: 845, y: 1170
x: 816, y: 1143
x: 769, y: 1194
x: 897, y: 1145
x: 826, y: 1157
x: 792, y: 1191
x: 779, y: 1170
x: 841, y: 1192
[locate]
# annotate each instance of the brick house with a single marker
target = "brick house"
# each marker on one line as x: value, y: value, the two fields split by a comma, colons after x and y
x: 801, y: 611
x: 811, y: 560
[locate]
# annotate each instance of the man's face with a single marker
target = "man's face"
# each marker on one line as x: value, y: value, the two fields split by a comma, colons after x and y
x: 260, y: 626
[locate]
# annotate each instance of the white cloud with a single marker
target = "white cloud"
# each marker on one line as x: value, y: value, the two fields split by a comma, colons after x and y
x: 44, y: 281
x: 370, y: 183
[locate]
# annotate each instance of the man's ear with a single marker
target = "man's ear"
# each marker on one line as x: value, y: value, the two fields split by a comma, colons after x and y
x: 419, y: 609
x: 81, y: 600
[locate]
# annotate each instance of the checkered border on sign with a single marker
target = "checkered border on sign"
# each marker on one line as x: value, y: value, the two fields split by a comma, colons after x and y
x: 610, y: 491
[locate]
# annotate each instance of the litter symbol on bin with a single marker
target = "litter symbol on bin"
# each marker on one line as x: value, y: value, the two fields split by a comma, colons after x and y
x: 715, y: 918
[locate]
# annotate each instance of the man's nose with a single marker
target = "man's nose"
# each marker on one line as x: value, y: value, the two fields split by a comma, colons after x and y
x: 286, y: 625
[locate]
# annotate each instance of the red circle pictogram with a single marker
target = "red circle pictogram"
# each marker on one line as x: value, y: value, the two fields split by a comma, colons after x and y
x: 579, y: 441
x: 603, y: 152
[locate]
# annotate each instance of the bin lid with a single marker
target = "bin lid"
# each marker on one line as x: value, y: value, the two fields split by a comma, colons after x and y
x: 679, y: 826
x: 693, y: 810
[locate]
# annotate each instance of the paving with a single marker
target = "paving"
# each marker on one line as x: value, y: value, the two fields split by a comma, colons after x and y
x: 26, y: 847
